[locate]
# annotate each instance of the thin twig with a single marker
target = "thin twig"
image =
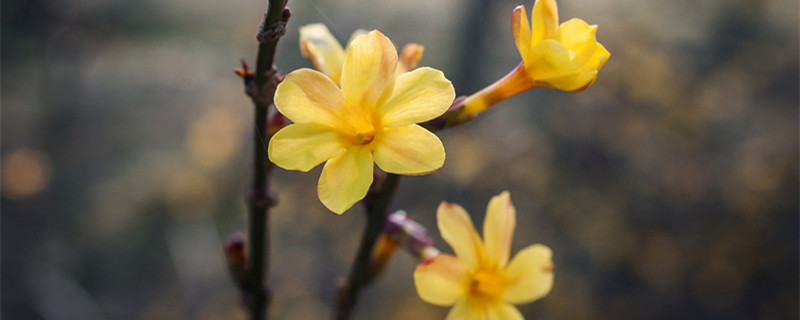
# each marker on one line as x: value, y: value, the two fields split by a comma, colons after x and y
x: 360, y: 274
x: 261, y: 89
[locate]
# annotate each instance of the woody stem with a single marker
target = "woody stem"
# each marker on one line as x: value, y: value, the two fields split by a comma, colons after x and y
x: 360, y: 274
x: 261, y: 89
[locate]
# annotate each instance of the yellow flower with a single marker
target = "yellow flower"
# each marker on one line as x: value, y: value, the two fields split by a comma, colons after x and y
x: 326, y: 54
x: 479, y: 282
x: 371, y: 118
x: 565, y: 57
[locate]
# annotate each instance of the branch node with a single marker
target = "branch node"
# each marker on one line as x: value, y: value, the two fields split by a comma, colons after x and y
x: 272, y: 32
x: 264, y: 97
x: 263, y: 198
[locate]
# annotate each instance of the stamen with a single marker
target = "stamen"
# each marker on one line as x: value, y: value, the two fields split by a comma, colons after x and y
x: 364, y: 137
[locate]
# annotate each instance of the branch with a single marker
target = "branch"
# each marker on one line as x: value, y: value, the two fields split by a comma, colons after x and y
x: 361, y: 273
x: 260, y: 86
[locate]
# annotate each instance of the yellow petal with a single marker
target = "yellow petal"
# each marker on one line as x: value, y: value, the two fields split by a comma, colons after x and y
x: 498, y: 230
x: 442, y: 280
x: 318, y: 45
x: 303, y: 146
x: 345, y: 179
x: 464, y: 310
x: 578, y: 36
x: 457, y: 229
x: 358, y: 32
x: 307, y: 96
x: 409, y: 57
x: 368, y: 69
x: 598, y: 59
x: 545, y: 20
x: 408, y: 150
x: 504, y: 311
x: 417, y: 96
x: 573, y: 82
x: 551, y: 59
x: 529, y: 275
x: 521, y: 29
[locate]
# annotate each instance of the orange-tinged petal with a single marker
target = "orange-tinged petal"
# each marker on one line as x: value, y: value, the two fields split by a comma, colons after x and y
x: 442, y: 280
x: 579, y: 36
x: 464, y: 310
x: 417, y: 96
x: 545, y: 21
x: 498, y: 230
x: 457, y: 229
x: 307, y: 96
x: 529, y: 275
x: 504, y: 311
x: 409, y: 57
x: 368, y: 70
x: 318, y: 45
x: 345, y: 179
x: 521, y: 28
x: 303, y: 146
x: 408, y: 150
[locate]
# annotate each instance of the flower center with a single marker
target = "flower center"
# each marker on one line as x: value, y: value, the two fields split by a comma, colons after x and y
x: 487, y: 285
x: 363, y: 138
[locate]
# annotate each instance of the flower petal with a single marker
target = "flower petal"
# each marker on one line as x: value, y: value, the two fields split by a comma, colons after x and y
x: 579, y: 36
x: 417, y: 96
x: 442, y: 280
x: 368, y: 69
x: 307, y: 96
x: 545, y: 21
x: 409, y: 57
x: 358, y: 32
x: 551, y: 59
x: 464, y: 310
x: 457, y: 229
x: 303, y: 146
x: 318, y: 45
x: 409, y: 150
x: 498, y: 230
x: 598, y: 59
x: 521, y: 28
x: 345, y: 179
x: 573, y: 82
x: 504, y: 311
x: 529, y: 275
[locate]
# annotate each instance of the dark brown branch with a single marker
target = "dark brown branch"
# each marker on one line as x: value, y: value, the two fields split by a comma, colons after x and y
x: 261, y: 86
x: 361, y: 273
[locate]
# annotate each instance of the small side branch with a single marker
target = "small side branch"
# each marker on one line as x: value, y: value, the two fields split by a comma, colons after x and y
x: 361, y: 273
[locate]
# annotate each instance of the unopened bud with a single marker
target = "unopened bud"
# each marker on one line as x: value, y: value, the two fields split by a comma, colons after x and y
x: 383, y: 251
x: 237, y: 258
x: 411, y: 235
x: 275, y: 122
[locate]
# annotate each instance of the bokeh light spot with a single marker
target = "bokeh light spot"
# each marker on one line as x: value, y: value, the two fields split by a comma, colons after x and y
x: 213, y: 139
x: 189, y: 193
x: 25, y: 173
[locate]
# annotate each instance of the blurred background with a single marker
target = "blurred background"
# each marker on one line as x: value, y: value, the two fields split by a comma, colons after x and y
x: 667, y: 190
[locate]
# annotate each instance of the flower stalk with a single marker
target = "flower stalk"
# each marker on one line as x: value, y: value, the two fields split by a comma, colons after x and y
x: 465, y: 109
x: 513, y: 83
